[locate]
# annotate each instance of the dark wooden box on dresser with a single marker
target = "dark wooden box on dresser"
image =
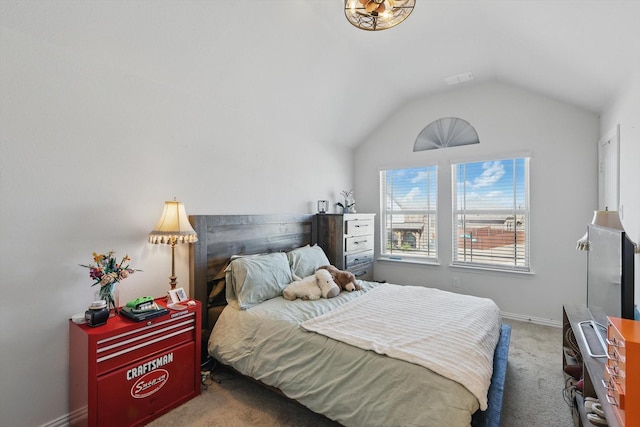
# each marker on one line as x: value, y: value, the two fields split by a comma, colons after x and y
x: 127, y: 373
x: 348, y: 241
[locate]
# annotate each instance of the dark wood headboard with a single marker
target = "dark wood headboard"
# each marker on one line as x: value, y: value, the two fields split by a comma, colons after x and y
x: 222, y: 236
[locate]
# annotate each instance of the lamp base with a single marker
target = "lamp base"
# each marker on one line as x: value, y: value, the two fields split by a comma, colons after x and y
x: 173, y: 281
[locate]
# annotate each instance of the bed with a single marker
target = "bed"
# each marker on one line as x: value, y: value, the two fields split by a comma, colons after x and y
x: 326, y: 354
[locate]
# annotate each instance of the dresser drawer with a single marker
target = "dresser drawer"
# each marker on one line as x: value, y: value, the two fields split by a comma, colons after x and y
x: 363, y: 271
x: 358, y: 243
x: 353, y: 260
x: 358, y: 227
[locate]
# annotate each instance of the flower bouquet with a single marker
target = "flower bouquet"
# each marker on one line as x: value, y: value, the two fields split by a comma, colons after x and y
x: 107, y: 272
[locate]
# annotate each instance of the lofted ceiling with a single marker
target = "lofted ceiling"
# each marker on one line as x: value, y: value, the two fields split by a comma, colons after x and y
x: 299, y: 64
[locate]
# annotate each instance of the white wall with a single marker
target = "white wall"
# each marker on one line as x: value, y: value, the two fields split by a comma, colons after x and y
x: 88, y: 154
x: 625, y: 111
x: 561, y: 140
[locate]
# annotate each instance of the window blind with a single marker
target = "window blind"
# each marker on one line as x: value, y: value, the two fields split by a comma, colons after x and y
x: 491, y: 214
x: 409, y: 214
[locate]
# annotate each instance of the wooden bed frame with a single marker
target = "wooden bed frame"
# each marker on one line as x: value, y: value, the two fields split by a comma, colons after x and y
x: 222, y: 236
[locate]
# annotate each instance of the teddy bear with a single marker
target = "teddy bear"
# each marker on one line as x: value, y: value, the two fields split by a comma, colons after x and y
x: 346, y: 280
x: 320, y: 284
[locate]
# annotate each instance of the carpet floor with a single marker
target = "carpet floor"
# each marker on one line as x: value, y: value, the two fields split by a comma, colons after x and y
x: 534, y: 392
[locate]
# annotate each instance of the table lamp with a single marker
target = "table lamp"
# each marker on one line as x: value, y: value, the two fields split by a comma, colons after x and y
x: 173, y: 227
x: 605, y: 218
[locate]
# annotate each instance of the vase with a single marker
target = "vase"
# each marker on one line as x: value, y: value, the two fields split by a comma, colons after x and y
x: 111, y: 294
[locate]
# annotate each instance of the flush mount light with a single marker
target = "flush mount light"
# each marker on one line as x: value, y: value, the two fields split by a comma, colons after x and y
x: 376, y: 15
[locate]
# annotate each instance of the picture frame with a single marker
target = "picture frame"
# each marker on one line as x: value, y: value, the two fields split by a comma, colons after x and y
x: 178, y: 295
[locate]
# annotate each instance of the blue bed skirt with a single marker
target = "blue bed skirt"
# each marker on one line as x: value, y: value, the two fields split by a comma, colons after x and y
x: 491, y: 417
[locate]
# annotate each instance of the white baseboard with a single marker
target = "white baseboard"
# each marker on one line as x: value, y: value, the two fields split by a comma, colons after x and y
x: 536, y: 320
x: 79, y: 416
x: 62, y: 421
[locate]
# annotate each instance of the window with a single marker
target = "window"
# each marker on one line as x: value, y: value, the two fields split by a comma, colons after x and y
x: 409, y: 218
x: 491, y: 214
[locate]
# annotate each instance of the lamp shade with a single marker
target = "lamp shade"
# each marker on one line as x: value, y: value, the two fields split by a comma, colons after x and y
x: 606, y: 218
x: 609, y: 219
x: 173, y: 226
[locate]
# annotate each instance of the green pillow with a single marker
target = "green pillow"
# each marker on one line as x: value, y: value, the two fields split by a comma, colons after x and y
x: 306, y: 260
x: 254, y: 279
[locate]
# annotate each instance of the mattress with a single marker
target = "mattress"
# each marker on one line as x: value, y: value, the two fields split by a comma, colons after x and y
x: 347, y: 384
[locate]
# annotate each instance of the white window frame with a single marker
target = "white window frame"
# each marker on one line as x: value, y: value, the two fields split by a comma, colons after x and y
x: 429, y: 230
x: 517, y: 219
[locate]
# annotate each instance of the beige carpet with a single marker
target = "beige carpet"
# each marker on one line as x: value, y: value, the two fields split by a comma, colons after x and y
x: 533, y: 392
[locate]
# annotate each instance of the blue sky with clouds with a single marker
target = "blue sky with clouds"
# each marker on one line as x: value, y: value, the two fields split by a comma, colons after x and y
x: 412, y: 189
x: 480, y: 185
x: 491, y: 185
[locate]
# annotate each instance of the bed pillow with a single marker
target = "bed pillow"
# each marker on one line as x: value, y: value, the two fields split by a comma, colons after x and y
x: 306, y: 260
x: 254, y: 279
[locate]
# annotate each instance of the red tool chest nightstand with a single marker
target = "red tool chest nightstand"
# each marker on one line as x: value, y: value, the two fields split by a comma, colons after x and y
x: 126, y: 373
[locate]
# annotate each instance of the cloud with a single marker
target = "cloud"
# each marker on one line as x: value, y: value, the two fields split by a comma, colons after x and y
x: 492, y: 172
x: 423, y: 175
x: 414, y: 182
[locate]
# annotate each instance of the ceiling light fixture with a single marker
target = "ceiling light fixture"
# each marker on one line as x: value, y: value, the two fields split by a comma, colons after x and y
x: 376, y: 15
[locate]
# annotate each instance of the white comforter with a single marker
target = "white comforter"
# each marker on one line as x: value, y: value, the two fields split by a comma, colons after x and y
x: 423, y: 326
